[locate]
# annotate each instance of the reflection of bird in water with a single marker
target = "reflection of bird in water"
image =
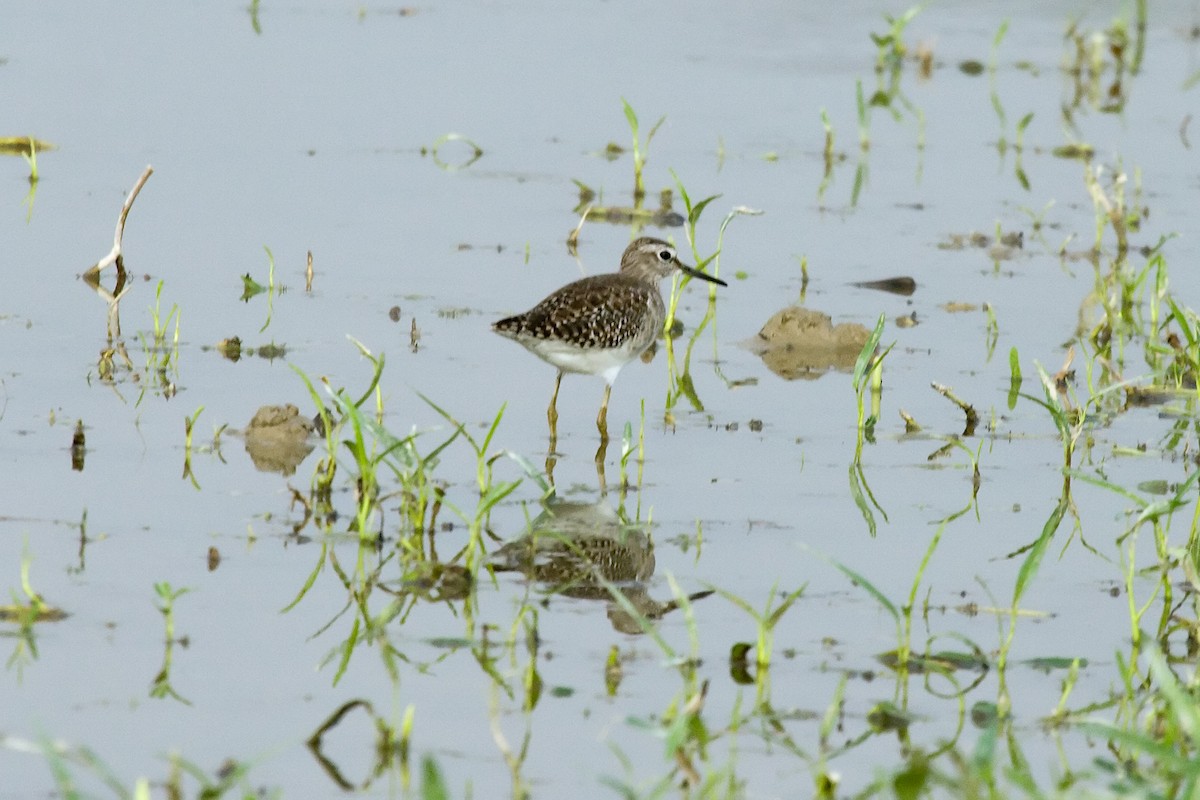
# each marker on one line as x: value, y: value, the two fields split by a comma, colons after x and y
x: 575, y: 548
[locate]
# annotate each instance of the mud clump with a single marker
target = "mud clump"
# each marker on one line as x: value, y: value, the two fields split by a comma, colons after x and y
x: 277, y: 439
x: 799, y: 342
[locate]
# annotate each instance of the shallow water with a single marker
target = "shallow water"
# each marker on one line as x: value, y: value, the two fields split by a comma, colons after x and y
x: 309, y: 136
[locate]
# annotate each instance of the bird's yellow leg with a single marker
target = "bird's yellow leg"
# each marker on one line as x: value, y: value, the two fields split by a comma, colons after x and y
x: 600, y: 478
x: 552, y: 413
x: 602, y: 417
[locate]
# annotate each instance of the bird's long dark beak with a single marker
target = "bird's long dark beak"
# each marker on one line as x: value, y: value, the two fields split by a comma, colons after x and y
x: 704, y: 276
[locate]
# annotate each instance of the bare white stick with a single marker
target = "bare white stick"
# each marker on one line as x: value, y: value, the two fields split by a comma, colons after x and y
x: 114, y: 257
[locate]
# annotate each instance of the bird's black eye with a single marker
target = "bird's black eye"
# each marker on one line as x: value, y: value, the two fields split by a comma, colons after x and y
x: 665, y: 255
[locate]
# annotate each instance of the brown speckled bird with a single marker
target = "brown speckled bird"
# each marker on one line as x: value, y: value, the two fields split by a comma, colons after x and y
x: 596, y: 325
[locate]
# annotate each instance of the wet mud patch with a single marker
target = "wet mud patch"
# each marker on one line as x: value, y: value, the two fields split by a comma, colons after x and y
x: 801, y: 343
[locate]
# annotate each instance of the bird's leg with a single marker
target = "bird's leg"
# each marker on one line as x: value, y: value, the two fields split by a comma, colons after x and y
x: 552, y: 412
x: 602, y: 417
x: 601, y: 480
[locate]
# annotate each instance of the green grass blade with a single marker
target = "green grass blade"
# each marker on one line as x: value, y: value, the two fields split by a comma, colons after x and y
x: 868, y: 350
x: 1033, y: 559
x: 859, y: 580
x: 630, y: 117
x: 433, y: 786
x: 312, y: 578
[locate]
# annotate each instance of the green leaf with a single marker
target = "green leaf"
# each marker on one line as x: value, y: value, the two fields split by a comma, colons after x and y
x: 860, y: 499
x: 250, y: 287
x: 865, y: 584
x: 909, y: 783
x: 433, y: 786
x: 21, y: 145
x: 1033, y: 559
x: 694, y: 213
x: 630, y: 116
x: 868, y: 350
x: 1047, y: 663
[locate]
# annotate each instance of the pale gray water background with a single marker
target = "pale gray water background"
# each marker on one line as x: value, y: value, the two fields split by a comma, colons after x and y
x: 308, y: 137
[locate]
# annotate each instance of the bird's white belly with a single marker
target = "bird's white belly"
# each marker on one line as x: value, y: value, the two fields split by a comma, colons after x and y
x: 606, y: 362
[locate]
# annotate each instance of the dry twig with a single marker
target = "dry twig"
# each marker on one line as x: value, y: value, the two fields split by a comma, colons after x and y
x: 114, y: 257
x: 967, y: 408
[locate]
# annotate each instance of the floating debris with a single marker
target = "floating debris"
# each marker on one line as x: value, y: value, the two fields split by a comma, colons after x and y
x: 22, y: 145
x: 78, y: 447
x: 1013, y: 240
x: 1082, y: 152
x: 230, y: 348
x: 35, y: 612
x: 901, y: 285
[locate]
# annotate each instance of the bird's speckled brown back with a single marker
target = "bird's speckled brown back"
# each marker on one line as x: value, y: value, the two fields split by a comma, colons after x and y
x: 602, y: 311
